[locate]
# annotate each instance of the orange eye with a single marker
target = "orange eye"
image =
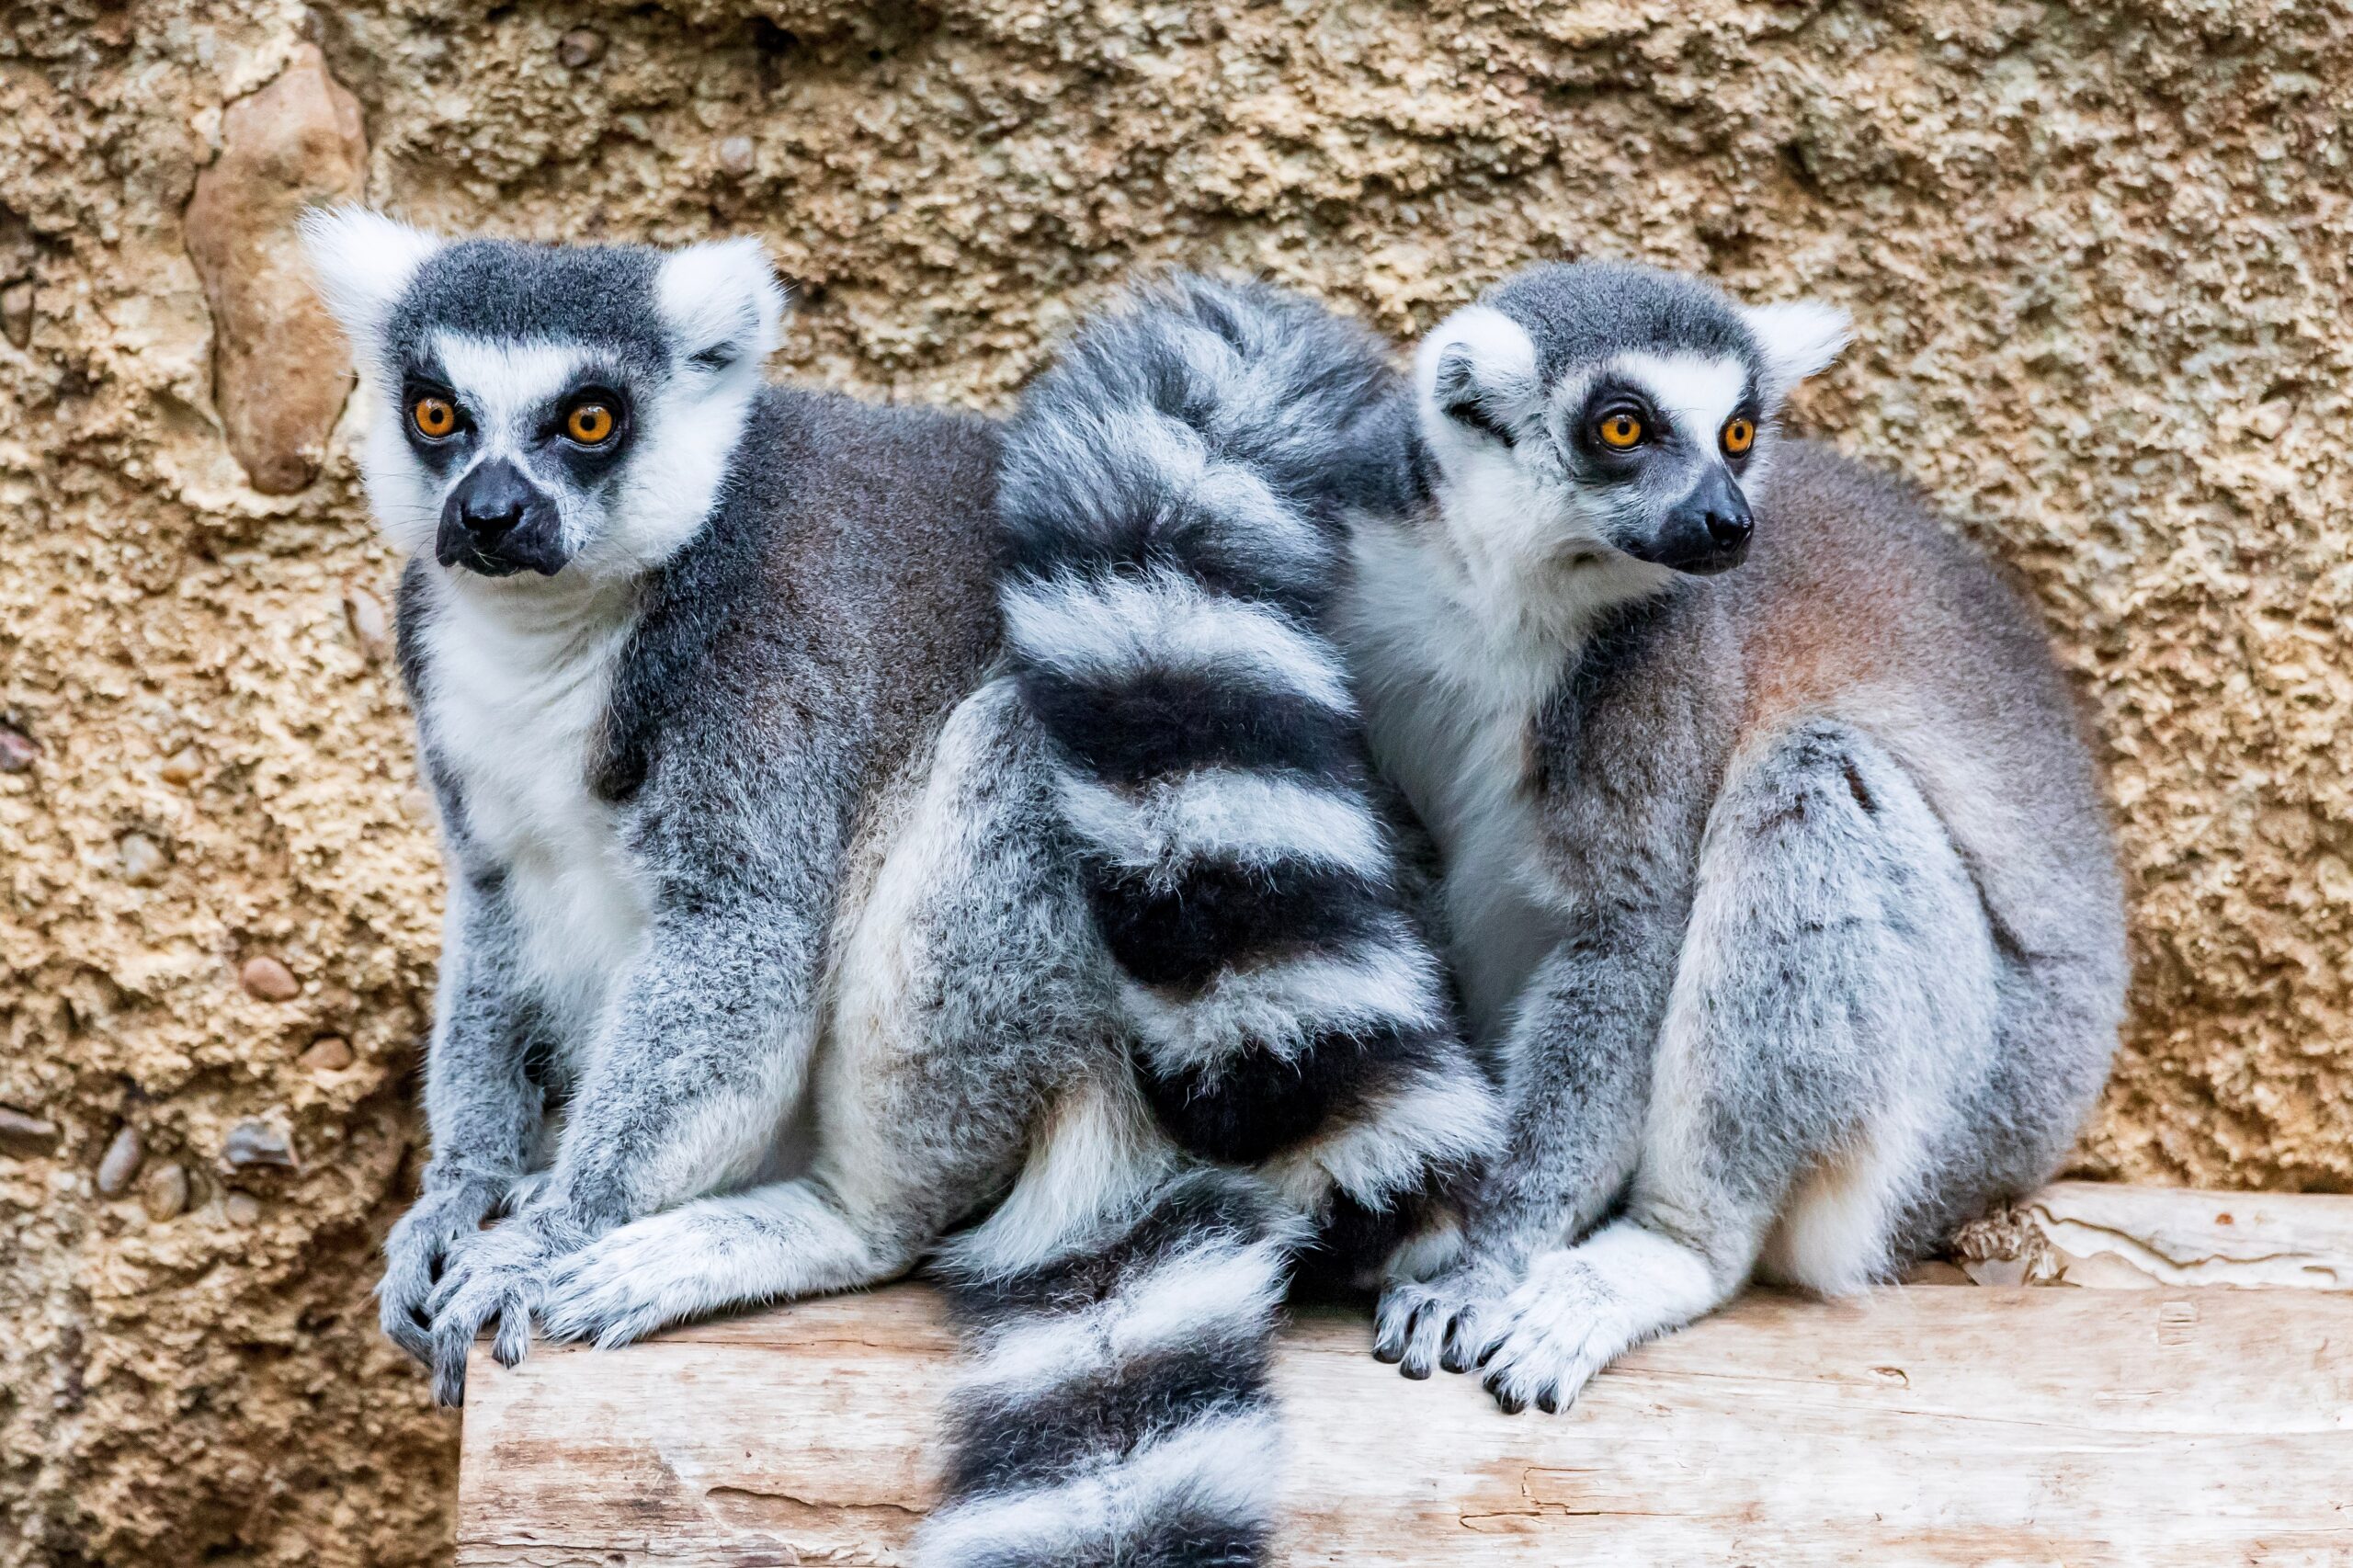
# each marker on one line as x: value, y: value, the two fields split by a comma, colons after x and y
x: 435, y: 418
x: 1739, y: 436
x: 1621, y: 431
x: 591, y: 423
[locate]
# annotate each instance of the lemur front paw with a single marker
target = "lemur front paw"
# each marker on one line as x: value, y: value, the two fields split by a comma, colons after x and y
x: 1558, y: 1329
x: 495, y: 1276
x: 415, y: 1253
x: 1442, y: 1321
x: 639, y: 1280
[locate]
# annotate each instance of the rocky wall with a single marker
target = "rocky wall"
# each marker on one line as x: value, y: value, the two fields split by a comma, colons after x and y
x: 2097, y: 256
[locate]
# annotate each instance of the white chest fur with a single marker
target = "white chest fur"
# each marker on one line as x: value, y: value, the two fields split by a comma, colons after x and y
x: 1450, y: 690
x: 516, y: 680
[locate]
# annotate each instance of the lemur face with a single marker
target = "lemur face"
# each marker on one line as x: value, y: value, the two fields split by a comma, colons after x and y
x: 1597, y: 411
x: 543, y: 410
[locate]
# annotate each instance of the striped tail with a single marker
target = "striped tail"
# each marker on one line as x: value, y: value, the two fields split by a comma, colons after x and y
x: 1172, y: 494
x: 1116, y: 1410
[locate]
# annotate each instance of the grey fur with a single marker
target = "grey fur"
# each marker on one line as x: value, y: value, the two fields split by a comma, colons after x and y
x: 1783, y: 896
x: 767, y: 961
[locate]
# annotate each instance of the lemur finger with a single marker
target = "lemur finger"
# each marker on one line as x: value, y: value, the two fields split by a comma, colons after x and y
x: 514, y: 1340
x: 1392, y: 1323
x: 1428, y: 1332
x: 1463, y: 1347
x: 406, y: 1325
x: 1507, y: 1398
x: 449, y: 1370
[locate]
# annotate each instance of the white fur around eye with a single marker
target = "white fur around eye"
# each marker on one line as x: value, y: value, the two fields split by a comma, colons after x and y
x: 1696, y: 392
x: 1797, y: 338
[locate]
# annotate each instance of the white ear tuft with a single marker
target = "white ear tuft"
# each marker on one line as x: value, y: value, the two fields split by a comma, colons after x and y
x: 724, y: 301
x: 363, y: 262
x: 1475, y: 369
x: 1797, y: 338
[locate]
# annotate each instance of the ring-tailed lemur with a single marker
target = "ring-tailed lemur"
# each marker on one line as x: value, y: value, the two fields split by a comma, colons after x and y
x: 766, y: 960
x: 1774, y: 857
x: 1781, y: 895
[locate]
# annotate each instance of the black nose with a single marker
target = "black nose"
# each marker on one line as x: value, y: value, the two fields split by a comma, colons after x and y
x: 1730, y: 527
x: 490, y: 501
x: 1707, y: 531
x: 496, y: 522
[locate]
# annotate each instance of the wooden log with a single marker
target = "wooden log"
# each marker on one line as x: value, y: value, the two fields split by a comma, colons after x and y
x: 2163, y: 1425
x: 2108, y: 1235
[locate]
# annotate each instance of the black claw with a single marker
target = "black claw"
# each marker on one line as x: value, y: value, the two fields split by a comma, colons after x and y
x: 1548, y: 1402
x: 1417, y: 1370
x: 1489, y: 1353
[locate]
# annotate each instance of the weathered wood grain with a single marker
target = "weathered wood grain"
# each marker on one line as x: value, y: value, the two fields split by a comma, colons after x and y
x: 2110, y: 1235
x: 1929, y: 1426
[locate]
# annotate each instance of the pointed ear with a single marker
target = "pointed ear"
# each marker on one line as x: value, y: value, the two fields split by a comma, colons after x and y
x: 1796, y: 339
x: 723, y: 302
x: 362, y: 262
x: 1477, y: 371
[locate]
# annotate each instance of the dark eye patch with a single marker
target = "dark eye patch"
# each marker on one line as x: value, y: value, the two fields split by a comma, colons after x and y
x: 424, y: 382
x: 560, y: 439
x: 1606, y: 404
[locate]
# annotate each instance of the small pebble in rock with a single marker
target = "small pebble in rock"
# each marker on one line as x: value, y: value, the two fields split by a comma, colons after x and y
x: 16, y: 312
x: 24, y: 1134
x: 417, y: 806
x: 737, y: 155
x: 183, y: 766
x: 119, y: 1167
x: 164, y: 1192
x: 142, y: 858
x: 242, y: 1210
x: 267, y: 980
x: 18, y: 750
x: 328, y: 1055
x: 581, y: 46
x: 370, y: 627
x: 252, y: 1143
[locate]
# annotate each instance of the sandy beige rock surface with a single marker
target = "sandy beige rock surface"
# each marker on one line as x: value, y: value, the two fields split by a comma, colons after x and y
x: 2097, y: 257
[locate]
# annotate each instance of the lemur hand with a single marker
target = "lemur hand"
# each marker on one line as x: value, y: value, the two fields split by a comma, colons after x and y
x: 436, y: 1223
x: 497, y: 1274
x: 1446, y: 1320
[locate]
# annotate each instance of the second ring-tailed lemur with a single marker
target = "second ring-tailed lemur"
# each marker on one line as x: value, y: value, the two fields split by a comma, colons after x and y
x: 1775, y: 862
x: 1775, y: 874
x: 767, y: 959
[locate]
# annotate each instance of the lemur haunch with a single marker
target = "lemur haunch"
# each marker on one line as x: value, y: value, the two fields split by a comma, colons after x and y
x: 1775, y: 870
x: 767, y: 958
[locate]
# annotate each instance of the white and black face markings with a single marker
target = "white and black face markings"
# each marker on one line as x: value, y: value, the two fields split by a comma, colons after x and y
x: 1641, y: 407
x: 1595, y: 410
x: 580, y: 405
x: 1664, y: 437
x: 522, y: 437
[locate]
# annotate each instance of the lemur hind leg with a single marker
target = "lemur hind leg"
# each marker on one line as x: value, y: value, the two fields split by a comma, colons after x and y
x: 1834, y: 1005
x: 956, y: 1019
